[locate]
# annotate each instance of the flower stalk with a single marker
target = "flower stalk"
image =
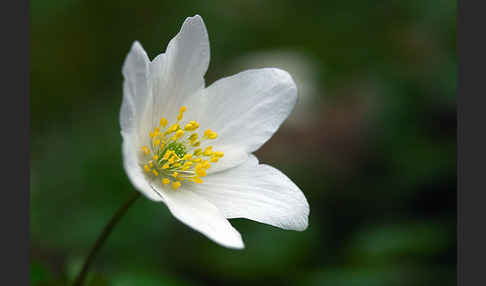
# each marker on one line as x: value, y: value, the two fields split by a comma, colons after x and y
x: 103, y: 236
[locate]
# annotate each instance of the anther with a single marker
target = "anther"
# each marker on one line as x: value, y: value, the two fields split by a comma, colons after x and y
x: 208, y: 151
x: 145, y: 150
x: 163, y: 122
x: 176, y: 185
x: 179, y: 134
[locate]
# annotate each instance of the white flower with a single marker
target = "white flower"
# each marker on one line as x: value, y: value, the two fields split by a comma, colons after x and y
x: 190, y: 146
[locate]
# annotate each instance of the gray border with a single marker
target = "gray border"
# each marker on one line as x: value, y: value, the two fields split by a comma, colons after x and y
x: 471, y: 139
x: 15, y: 22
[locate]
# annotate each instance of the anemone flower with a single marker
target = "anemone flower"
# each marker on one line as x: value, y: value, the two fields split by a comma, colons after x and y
x: 190, y: 146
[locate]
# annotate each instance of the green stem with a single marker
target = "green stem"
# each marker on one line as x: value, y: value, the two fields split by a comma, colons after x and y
x: 103, y: 236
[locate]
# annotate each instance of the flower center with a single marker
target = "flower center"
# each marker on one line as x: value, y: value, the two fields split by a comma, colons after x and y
x: 173, y: 155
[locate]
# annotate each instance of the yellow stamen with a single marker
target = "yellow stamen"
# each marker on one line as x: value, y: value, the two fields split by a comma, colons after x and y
x: 193, y: 137
x: 179, y: 134
x: 167, y: 154
x: 205, y: 164
x: 213, y: 135
x: 175, y: 156
x: 173, y: 128
x: 201, y: 172
x: 187, y: 164
x: 181, y: 113
x: 210, y: 134
x: 172, y: 159
x: 208, y: 151
x: 176, y: 185
x: 145, y: 150
x: 163, y: 122
x: 188, y: 156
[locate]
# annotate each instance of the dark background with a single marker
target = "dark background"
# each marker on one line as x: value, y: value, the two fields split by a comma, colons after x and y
x: 372, y: 142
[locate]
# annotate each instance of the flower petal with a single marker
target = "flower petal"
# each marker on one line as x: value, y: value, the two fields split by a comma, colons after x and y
x: 136, y: 91
x: 133, y: 170
x: 233, y: 156
x: 257, y: 192
x: 247, y: 108
x: 179, y: 73
x: 201, y: 215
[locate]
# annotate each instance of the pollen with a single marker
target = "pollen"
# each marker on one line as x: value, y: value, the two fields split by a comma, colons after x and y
x: 145, y: 150
x: 179, y: 134
x: 163, y: 122
x: 146, y: 168
x: 208, y: 151
x: 210, y: 134
x: 201, y: 172
x: 179, y: 152
x: 176, y: 185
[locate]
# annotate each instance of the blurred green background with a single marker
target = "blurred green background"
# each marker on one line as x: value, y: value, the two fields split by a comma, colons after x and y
x: 375, y: 152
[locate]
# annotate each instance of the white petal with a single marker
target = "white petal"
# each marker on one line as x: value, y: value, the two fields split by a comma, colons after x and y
x: 247, y: 108
x: 233, y: 156
x: 257, y: 192
x: 179, y: 73
x: 133, y: 170
x: 201, y: 215
x: 136, y: 90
